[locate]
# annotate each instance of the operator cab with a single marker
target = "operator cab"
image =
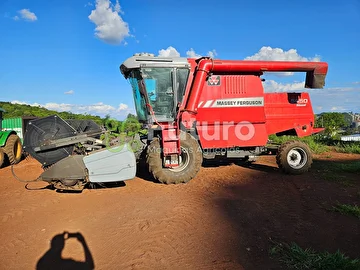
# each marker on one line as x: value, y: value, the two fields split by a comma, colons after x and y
x: 158, y: 85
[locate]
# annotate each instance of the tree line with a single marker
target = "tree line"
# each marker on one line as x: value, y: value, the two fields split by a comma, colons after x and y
x: 336, y: 123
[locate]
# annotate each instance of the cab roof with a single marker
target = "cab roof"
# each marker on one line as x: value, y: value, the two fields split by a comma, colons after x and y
x: 146, y: 59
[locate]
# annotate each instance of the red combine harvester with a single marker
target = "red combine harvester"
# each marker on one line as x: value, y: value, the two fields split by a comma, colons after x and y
x: 205, y: 108
x: 194, y: 109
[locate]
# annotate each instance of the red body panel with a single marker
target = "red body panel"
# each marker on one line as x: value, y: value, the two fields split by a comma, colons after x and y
x: 223, y: 118
x: 286, y: 111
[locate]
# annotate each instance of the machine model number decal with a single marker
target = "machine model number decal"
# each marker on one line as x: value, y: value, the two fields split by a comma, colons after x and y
x: 233, y: 102
x: 214, y: 80
x: 300, y: 101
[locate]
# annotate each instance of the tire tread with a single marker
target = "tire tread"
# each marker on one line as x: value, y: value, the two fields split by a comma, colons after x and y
x: 9, y: 149
x: 164, y: 175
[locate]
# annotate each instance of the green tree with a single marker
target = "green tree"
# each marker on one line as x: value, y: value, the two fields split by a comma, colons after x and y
x: 132, y: 116
x: 348, y: 118
x: 332, y: 122
x: 131, y: 126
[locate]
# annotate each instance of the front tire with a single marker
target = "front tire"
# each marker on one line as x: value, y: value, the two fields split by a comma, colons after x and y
x: 294, y: 157
x: 13, y: 149
x: 191, y: 160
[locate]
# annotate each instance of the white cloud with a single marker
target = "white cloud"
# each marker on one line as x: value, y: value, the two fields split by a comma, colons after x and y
x: 278, y: 54
x: 98, y: 108
x: 343, y: 89
x: 110, y: 27
x: 21, y: 102
x: 337, y: 108
x: 323, y: 100
x: 89, y: 4
x: 123, y: 107
x: 70, y: 92
x: 169, y: 52
x: 26, y: 15
x: 336, y: 99
x: 172, y: 52
x: 212, y: 53
x: 192, y: 54
x: 273, y: 86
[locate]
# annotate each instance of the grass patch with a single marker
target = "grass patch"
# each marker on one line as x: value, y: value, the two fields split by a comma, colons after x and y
x: 318, y: 144
x: 341, y: 167
x: 347, y: 209
x: 353, y: 167
x: 294, y: 257
x: 350, y: 148
x: 341, y: 179
x: 338, y: 172
x: 338, y: 167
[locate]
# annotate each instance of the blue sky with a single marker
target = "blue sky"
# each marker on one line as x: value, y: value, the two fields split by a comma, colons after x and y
x: 65, y: 55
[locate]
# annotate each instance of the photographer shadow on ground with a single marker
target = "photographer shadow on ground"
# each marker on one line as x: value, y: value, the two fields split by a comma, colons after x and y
x: 52, y: 259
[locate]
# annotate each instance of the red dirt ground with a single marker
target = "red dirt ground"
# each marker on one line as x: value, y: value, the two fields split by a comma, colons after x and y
x: 222, y: 219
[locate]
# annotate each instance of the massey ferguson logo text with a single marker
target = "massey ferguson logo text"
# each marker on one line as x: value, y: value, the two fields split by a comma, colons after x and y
x: 214, y: 80
x: 233, y: 102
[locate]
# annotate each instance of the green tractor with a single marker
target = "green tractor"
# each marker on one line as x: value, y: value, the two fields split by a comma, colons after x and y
x: 10, y: 145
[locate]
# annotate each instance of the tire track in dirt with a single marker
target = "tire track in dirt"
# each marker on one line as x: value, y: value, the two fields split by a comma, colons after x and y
x: 15, y: 242
x: 296, y: 207
x: 152, y: 238
x: 19, y: 210
x: 159, y: 238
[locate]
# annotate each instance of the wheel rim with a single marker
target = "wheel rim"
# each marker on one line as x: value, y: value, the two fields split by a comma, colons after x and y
x: 17, y: 150
x: 184, y: 161
x: 297, y: 158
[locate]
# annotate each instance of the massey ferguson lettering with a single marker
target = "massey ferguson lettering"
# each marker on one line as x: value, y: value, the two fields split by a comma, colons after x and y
x: 239, y: 102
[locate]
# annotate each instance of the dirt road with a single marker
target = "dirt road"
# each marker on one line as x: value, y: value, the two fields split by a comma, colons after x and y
x: 222, y: 219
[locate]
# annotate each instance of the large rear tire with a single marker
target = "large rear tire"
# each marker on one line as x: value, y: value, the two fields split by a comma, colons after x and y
x: 13, y: 149
x: 191, y: 160
x: 2, y: 158
x: 294, y: 157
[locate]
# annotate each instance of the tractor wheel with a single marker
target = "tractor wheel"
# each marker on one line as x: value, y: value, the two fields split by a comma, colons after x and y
x: 191, y: 160
x: 2, y: 157
x: 294, y: 157
x: 13, y: 149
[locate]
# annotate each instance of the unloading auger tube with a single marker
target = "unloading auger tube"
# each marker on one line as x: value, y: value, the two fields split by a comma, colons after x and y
x: 72, y: 154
